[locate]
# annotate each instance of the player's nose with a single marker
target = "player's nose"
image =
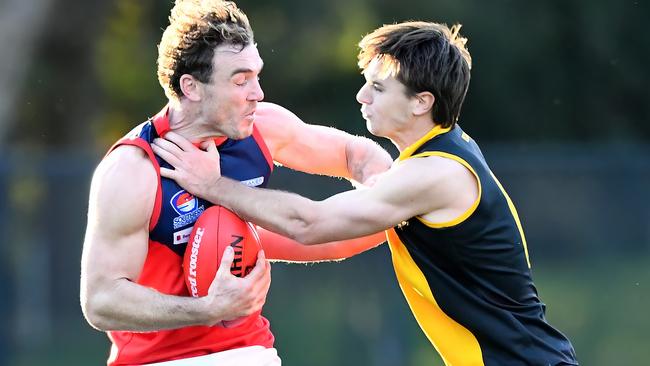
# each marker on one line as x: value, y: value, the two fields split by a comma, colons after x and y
x: 256, y: 94
x: 363, y: 96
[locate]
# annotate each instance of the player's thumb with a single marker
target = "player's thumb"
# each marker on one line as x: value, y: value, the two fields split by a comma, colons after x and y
x: 210, y: 146
x: 226, y: 261
x: 261, y: 258
x: 261, y: 269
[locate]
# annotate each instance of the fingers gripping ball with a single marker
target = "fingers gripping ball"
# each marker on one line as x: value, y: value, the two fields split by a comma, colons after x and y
x: 215, y: 230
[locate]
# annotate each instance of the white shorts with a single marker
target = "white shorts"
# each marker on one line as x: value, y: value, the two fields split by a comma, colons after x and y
x: 246, y: 356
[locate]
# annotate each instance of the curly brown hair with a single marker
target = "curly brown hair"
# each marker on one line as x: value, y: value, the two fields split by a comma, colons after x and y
x: 424, y: 57
x: 196, y: 28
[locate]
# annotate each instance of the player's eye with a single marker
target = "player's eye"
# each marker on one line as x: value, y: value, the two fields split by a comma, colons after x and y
x: 240, y: 80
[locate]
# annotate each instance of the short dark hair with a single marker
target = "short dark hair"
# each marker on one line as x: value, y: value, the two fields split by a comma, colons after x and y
x: 424, y: 57
x: 196, y: 28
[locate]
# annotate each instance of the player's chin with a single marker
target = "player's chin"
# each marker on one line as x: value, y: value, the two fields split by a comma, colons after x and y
x: 242, y: 131
x: 373, y: 128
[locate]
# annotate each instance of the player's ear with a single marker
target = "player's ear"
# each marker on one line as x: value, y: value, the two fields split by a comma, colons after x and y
x: 423, y: 103
x: 191, y: 87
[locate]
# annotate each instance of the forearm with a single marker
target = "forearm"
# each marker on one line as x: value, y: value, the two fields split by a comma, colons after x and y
x: 124, y: 305
x: 281, y: 248
x: 365, y: 158
x: 297, y: 217
x: 282, y: 212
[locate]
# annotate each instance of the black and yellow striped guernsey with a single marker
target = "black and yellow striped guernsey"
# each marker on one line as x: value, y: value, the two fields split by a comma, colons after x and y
x: 468, y: 281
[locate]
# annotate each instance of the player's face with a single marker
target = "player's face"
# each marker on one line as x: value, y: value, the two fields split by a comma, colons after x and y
x: 232, y: 94
x: 384, y: 103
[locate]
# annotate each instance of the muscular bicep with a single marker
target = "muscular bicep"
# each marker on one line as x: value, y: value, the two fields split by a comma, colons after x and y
x: 361, y: 212
x: 301, y: 146
x: 397, y: 196
x: 120, y: 205
x: 422, y: 186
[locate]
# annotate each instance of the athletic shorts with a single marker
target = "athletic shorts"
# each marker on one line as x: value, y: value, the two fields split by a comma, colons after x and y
x: 246, y: 356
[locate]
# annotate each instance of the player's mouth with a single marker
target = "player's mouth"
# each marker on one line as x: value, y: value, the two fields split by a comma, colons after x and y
x: 364, y: 113
x: 250, y: 116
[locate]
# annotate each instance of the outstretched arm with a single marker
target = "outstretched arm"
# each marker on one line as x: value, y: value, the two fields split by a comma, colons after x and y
x: 318, y: 149
x: 438, y: 188
x: 115, y: 247
x: 347, y: 215
x: 282, y: 249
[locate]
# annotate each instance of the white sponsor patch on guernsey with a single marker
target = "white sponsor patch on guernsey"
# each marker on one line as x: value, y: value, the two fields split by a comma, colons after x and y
x: 182, y: 236
x: 253, y: 182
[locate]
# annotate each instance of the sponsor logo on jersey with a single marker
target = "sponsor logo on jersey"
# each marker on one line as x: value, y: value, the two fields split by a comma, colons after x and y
x: 194, y: 256
x: 253, y: 182
x: 187, y: 206
x: 188, y: 219
x: 184, y: 202
x: 182, y: 236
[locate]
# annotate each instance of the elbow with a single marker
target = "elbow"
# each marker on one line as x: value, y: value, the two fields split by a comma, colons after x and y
x: 308, y: 231
x: 95, y: 309
x: 298, y: 230
x: 303, y: 234
x: 303, y: 222
x: 365, y: 158
x: 93, y: 316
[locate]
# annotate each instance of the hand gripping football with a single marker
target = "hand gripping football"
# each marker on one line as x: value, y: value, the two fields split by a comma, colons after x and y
x: 216, y: 229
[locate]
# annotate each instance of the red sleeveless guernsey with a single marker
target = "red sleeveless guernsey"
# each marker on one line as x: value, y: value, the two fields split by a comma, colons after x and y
x: 175, y: 211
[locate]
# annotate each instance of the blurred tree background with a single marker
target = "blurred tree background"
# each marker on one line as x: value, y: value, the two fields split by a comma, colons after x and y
x: 559, y: 101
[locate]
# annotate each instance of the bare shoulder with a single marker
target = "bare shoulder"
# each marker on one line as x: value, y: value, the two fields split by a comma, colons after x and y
x: 272, y: 111
x: 449, y: 185
x: 270, y: 117
x: 441, y: 179
x: 123, y: 188
x: 127, y: 169
x: 276, y: 124
x: 434, y: 169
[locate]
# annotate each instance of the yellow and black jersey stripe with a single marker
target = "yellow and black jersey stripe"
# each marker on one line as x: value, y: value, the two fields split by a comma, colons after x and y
x: 468, y: 281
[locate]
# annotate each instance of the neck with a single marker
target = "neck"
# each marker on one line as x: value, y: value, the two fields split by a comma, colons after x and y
x: 188, y: 122
x: 412, y: 133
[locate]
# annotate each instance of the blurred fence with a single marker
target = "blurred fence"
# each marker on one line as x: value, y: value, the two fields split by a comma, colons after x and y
x: 579, y: 204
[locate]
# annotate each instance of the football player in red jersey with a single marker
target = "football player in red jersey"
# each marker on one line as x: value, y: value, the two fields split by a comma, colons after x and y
x: 138, y: 223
